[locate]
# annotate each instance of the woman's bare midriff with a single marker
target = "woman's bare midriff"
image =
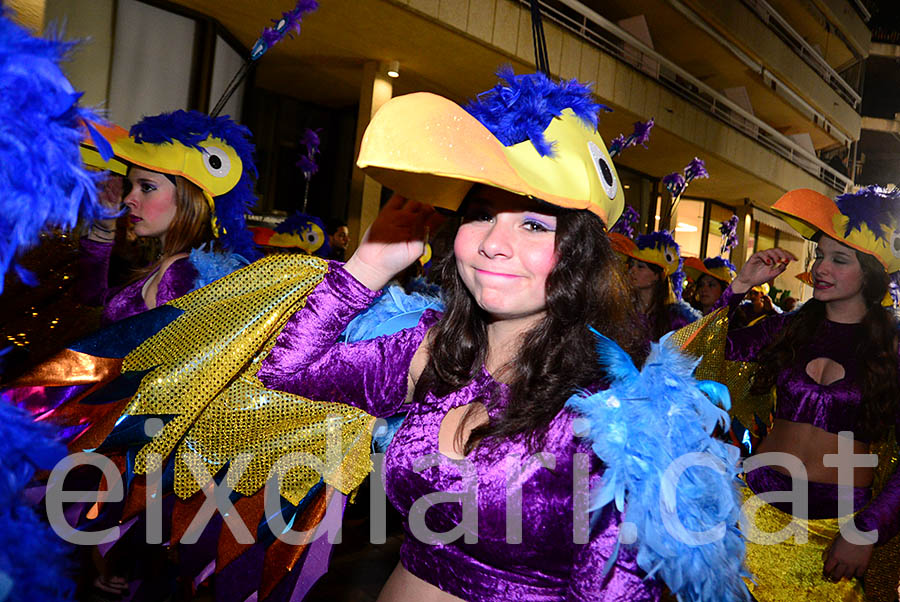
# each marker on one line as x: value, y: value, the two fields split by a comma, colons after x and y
x: 403, y: 586
x: 810, y: 444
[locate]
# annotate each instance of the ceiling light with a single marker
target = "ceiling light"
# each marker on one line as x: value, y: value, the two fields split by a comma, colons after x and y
x: 393, y: 69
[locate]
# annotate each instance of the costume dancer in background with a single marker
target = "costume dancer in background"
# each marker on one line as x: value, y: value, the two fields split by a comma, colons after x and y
x: 653, y: 262
x: 189, y: 182
x: 710, y: 277
x: 833, y: 365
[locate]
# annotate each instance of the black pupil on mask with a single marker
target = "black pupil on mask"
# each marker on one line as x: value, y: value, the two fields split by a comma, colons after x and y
x: 897, y: 244
x: 215, y: 162
x: 607, y: 174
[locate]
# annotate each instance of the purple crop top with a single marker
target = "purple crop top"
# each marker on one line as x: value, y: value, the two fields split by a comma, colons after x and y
x: 373, y: 375
x: 127, y: 301
x: 834, y: 407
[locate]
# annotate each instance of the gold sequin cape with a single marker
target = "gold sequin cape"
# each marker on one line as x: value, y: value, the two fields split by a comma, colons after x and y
x: 706, y: 339
x: 190, y: 367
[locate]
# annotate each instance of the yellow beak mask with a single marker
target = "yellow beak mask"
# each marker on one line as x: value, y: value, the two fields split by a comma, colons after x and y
x: 430, y: 149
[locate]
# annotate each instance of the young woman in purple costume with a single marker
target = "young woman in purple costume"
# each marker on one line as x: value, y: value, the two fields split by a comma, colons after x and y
x: 484, y: 385
x: 833, y: 365
x: 488, y: 378
x: 185, y: 204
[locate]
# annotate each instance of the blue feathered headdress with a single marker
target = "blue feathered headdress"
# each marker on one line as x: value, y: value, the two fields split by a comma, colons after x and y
x: 873, y: 206
x: 191, y: 128
x: 643, y: 428
x: 43, y: 183
x: 718, y: 262
x: 661, y: 249
x: 522, y: 108
x: 310, y: 228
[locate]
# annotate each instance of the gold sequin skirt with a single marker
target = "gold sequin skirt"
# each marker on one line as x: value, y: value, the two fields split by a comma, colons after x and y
x: 787, y: 571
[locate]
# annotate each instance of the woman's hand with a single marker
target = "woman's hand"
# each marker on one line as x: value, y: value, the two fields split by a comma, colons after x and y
x: 761, y: 267
x: 110, y: 197
x: 844, y: 559
x: 393, y: 242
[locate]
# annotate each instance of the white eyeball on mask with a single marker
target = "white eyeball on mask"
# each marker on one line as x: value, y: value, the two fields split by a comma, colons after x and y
x: 605, y: 170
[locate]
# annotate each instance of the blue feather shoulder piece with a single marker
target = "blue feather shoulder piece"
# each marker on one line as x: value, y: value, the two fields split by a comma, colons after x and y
x: 675, y: 485
x: 391, y: 312
x: 212, y: 265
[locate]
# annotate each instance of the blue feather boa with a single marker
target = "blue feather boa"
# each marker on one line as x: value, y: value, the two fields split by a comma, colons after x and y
x: 212, y: 265
x: 43, y: 183
x: 640, y: 428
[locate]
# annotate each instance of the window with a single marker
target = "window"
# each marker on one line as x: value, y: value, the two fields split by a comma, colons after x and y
x: 687, y: 226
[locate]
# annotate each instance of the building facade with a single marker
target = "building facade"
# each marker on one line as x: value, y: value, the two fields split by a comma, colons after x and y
x: 766, y: 92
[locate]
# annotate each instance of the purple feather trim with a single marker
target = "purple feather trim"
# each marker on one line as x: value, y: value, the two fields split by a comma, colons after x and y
x: 875, y: 207
x: 657, y: 240
x: 288, y: 24
x: 712, y: 263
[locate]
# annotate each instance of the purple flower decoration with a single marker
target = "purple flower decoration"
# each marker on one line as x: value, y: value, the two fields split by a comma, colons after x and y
x: 642, y: 132
x: 675, y: 184
x: 310, y: 139
x: 307, y: 165
x: 640, y: 135
x: 625, y: 224
x: 728, y: 230
x: 288, y: 24
x: 695, y: 169
x: 617, y: 145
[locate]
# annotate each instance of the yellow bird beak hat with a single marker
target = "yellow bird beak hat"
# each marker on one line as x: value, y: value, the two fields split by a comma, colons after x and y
x: 717, y: 267
x: 866, y: 220
x: 528, y: 135
x: 215, y: 153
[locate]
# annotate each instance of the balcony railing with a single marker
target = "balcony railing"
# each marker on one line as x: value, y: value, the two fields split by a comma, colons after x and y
x: 795, y: 41
x: 613, y: 40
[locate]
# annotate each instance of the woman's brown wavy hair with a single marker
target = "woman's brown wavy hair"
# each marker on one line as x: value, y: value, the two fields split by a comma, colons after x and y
x: 586, y: 287
x: 877, y: 352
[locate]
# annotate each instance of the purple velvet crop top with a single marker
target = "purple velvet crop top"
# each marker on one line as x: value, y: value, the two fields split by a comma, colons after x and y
x: 127, y: 301
x: 833, y: 407
x: 541, y: 560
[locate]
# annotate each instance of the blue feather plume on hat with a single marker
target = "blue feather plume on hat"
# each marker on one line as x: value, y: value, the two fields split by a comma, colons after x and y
x: 523, y: 107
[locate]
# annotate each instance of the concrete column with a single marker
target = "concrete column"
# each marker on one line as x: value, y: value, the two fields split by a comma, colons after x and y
x: 365, y: 193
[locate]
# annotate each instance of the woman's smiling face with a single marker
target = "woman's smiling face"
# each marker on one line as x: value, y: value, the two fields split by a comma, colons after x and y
x: 837, y: 273
x: 505, y: 249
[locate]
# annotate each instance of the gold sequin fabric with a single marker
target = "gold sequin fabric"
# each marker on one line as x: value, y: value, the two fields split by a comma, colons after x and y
x: 705, y: 339
x: 789, y: 571
x: 883, y: 577
x: 203, y: 374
